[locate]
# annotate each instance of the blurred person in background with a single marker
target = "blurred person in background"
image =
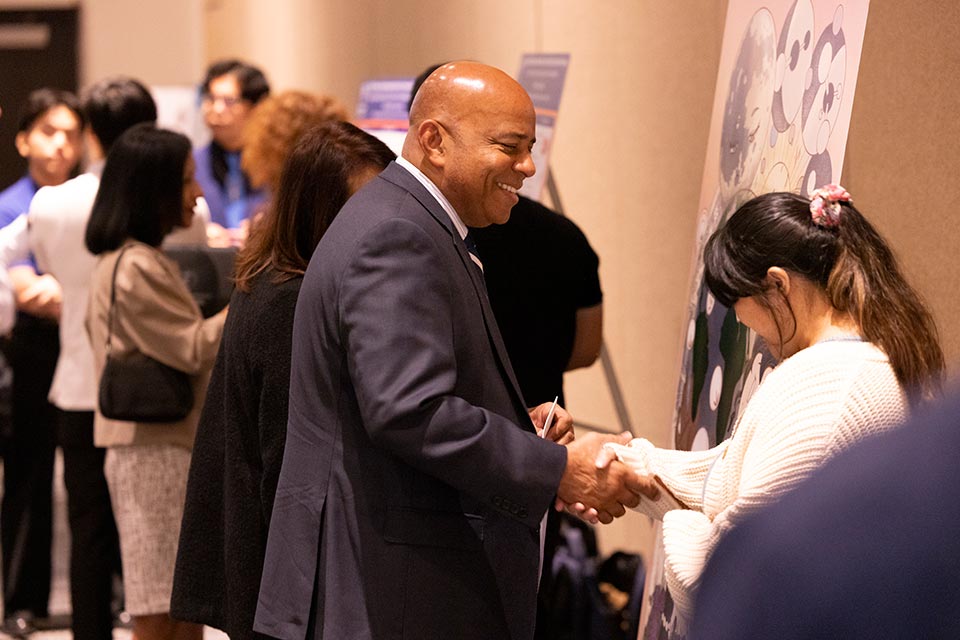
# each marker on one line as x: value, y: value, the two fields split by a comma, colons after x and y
x: 49, y: 138
x: 270, y: 133
x: 866, y: 549
x: 146, y: 190
x: 58, y: 219
x: 240, y: 439
x: 229, y: 92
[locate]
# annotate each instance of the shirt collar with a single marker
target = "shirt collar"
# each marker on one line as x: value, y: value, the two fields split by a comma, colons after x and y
x: 96, y: 167
x: 436, y: 193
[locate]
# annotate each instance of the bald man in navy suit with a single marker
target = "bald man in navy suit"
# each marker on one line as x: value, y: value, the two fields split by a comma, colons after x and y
x: 414, y: 480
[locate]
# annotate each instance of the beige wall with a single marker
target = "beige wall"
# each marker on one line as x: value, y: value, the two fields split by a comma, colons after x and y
x: 160, y: 42
x: 631, y: 140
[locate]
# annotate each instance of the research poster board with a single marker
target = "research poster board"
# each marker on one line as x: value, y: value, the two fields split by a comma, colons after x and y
x: 543, y: 75
x: 178, y: 109
x: 781, y: 112
x: 382, y: 109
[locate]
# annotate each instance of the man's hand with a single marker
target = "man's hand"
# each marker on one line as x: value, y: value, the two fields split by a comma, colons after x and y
x: 607, y: 491
x: 561, y: 431
x: 218, y: 236
x: 37, y: 295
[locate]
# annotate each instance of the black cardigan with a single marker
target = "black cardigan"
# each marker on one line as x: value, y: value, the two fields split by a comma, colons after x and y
x: 236, y: 462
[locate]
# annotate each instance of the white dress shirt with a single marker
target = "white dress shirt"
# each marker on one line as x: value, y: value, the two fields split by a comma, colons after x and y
x: 58, y: 221
x: 13, y: 248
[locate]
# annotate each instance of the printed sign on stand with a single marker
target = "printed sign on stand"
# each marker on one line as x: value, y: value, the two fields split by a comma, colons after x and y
x: 543, y: 75
x: 382, y: 109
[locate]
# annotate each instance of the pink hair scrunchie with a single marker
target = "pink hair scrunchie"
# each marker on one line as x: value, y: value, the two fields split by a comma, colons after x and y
x: 825, y: 205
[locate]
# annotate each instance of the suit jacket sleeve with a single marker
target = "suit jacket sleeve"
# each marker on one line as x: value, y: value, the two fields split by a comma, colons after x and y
x: 404, y: 356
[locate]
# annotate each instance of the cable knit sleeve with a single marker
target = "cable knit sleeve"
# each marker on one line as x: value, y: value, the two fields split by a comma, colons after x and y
x: 775, y: 462
x: 683, y: 472
x: 816, y: 406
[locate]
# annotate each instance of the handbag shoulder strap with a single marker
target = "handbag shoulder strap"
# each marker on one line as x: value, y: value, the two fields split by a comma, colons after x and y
x: 113, y: 291
x: 113, y: 295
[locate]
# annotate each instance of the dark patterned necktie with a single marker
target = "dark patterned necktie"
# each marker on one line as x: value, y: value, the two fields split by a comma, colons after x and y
x: 472, y: 246
x: 474, y: 251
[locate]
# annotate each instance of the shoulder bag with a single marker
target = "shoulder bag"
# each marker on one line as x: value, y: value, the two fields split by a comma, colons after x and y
x: 138, y: 388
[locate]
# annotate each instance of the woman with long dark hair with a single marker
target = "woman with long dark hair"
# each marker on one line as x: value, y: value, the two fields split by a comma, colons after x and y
x: 858, y: 349
x: 147, y: 189
x: 243, y: 428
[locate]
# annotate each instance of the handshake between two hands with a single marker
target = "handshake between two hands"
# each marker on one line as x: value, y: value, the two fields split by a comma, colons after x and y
x: 595, y: 486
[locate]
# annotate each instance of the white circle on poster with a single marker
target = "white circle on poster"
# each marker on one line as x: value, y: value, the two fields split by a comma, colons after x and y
x: 716, y: 387
x: 701, y: 441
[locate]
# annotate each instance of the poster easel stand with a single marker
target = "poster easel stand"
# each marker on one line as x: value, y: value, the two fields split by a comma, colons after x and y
x: 606, y: 360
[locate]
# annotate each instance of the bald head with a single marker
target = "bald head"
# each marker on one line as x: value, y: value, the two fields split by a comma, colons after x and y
x: 458, y: 86
x: 472, y: 129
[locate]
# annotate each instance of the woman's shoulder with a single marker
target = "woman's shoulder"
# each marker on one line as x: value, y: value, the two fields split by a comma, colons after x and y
x: 266, y: 299
x: 137, y: 261
x: 136, y: 255
x: 823, y: 374
x: 840, y: 355
x: 267, y: 289
x: 261, y: 317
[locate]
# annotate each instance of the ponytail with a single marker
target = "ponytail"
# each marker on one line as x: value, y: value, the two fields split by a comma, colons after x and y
x: 867, y: 283
x: 827, y: 241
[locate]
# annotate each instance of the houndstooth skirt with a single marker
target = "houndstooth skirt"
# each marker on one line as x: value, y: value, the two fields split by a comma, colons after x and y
x: 148, y: 485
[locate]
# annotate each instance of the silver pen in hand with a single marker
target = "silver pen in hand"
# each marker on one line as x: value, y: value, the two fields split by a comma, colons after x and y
x: 546, y: 423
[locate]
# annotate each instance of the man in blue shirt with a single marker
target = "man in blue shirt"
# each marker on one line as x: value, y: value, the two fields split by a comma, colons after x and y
x: 230, y: 90
x: 49, y: 138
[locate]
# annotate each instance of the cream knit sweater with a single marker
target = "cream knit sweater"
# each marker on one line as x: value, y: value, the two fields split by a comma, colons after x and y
x: 814, y: 404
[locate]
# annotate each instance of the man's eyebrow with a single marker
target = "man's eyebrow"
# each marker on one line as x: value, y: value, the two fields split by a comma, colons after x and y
x: 515, y: 135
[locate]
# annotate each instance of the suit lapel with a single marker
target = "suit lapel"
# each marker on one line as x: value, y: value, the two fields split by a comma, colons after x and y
x: 493, y: 329
x: 405, y: 180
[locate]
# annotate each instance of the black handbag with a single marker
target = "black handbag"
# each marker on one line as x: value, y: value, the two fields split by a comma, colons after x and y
x: 137, y: 388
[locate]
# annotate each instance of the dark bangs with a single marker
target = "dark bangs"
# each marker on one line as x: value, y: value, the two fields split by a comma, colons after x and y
x: 725, y: 272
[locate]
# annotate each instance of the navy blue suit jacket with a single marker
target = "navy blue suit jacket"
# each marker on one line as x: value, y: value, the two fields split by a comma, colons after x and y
x: 868, y: 547
x: 413, y: 482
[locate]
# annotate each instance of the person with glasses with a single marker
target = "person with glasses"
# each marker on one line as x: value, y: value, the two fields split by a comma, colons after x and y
x: 230, y: 90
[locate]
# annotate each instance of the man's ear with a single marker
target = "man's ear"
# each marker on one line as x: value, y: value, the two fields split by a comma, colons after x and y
x: 431, y: 137
x: 779, y: 279
x: 23, y: 148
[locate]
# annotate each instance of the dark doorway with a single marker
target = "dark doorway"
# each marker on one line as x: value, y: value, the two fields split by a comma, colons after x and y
x: 38, y: 48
